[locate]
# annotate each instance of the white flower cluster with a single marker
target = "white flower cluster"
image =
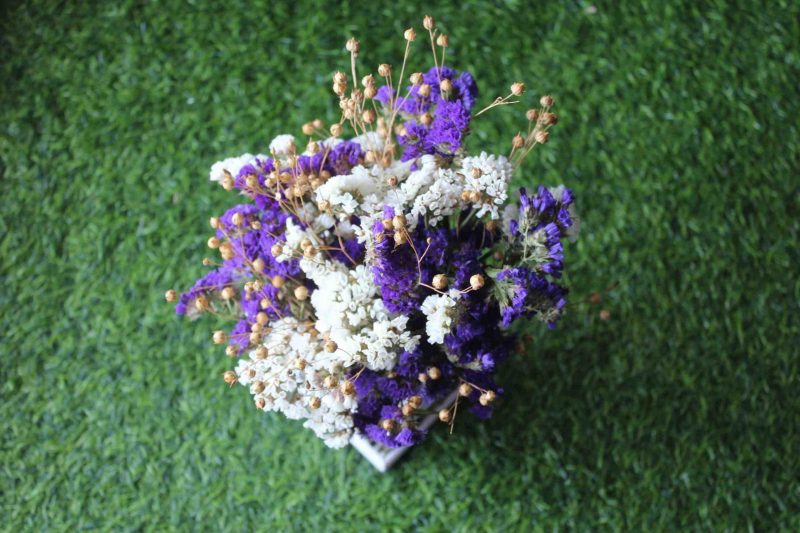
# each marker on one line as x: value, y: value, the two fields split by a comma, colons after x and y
x: 232, y: 165
x: 290, y: 378
x: 440, y: 311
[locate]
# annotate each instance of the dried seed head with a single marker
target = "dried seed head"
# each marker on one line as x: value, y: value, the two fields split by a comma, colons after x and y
x: 387, y: 224
x: 262, y: 318
x: 258, y: 387
x: 426, y: 119
x: 487, y: 397
x: 318, y: 124
x: 474, y: 197
x: 219, y: 337
x: 339, y: 77
x: 443, y: 41
x: 476, y: 172
x: 410, y: 35
x: 265, y: 303
x: 446, y: 85
x: 400, y: 238
x: 391, y: 181
x: 440, y: 282
x: 300, y: 363
x: 251, y: 181
x: 427, y: 22
x: 353, y: 46
x: 368, y: 80
x: 207, y: 261
x: 306, y: 243
x: 339, y: 89
x: 517, y: 88
x: 388, y: 424
x: 370, y: 92
x: 308, y: 129
x: 551, y: 119
x: 261, y: 352
x: 261, y: 403
x: 331, y: 346
x: 255, y: 337
x: 301, y: 292
x: 476, y: 282
x: 310, y: 252
x: 595, y: 298
x: 424, y: 90
x: 422, y: 377
x: 416, y: 78
x: 434, y: 373
x: 213, y: 222
x: 518, y: 142
x: 231, y: 351
x: 228, y: 182
x: 408, y: 409
x: 213, y: 243
x: 541, y: 137
x: 336, y: 130
x: 547, y: 101
x: 255, y: 327
x: 229, y: 377
x: 384, y: 69
x: 276, y: 250
x: 226, y: 250
x: 416, y: 401
x: 201, y: 303
x: 532, y: 115
x: 255, y: 224
x: 228, y: 293
x: 465, y: 389
x: 171, y: 295
x: 399, y: 221
x: 605, y: 315
x: 258, y: 265
x: 445, y: 415
x: 330, y: 382
x: 312, y: 147
x: 368, y: 116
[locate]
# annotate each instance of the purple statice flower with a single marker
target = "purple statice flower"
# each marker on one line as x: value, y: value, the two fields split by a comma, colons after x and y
x: 450, y: 124
x: 464, y: 90
x: 543, y: 207
x: 215, y: 280
x: 260, y: 168
x: 523, y: 293
x: 413, y: 104
x: 343, y: 157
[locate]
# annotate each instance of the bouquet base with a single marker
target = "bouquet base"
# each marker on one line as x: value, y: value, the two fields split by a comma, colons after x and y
x: 381, y: 457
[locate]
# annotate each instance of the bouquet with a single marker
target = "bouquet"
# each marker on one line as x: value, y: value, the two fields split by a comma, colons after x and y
x: 371, y: 276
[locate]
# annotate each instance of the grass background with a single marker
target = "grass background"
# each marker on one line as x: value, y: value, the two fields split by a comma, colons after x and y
x: 679, y: 133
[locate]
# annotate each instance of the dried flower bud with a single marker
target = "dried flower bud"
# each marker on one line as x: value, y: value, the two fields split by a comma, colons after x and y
x: 391, y: 181
x: 416, y: 78
x: 400, y: 238
x: 300, y: 363
x: 255, y: 327
x: 368, y: 116
x: 384, y: 69
x: 517, y: 88
x: 339, y: 77
x: 487, y: 397
x: 251, y: 181
x: 339, y: 89
x: 476, y: 281
x: 541, y: 137
x: 228, y: 182
x: 312, y: 147
x: 443, y: 41
x: 416, y: 401
x: 518, y: 142
x: 446, y: 85
x: 255, y: 337
x: 213, y: 243
x: 370, y: 92
x: 330, y: 382
x: 301, y: 292
x: 408, y: 409
x: 331, y: 346
x: 440, y: 282
x: 262, y: 318
x: 399, y: 221
x: 207, y: 261
x: 347, y: 388
x: 276, y: 250
x: 229, y: 377
x: 547, y: 101
x: 422, y: 377
x: 231, y: 351
x: 171, y: 295
x: 213, y: 222
x: 427, y: 22
x: 434, y: 373
x: 336, y: 130
x: 261, y: 403
x: 219, y: 337
x: 550, y: 119
x: 201, y: 303
x: 306, y: 243
x: 228, y: 293
x: 410, y: 35
x: 605, y: 315
x: 426, y: 119
x: 308, y: 129
x: 258, y: 387
x: 388, y: 424
x: 226, y: 251
x: 368, y: 80
x: 445, y: 415
x: 315, y: 403
x: 353, y: 46
x: 465, y: 389
x: 387, y: 224
x: 474, y: 197
x: 265, y: 303
x: 318, y: 124
x: 258, y: 265
x: 261, y: 352
x: 424, y: 90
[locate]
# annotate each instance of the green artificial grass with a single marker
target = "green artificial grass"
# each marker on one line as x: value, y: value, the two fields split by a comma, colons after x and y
x: 679, y: 133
